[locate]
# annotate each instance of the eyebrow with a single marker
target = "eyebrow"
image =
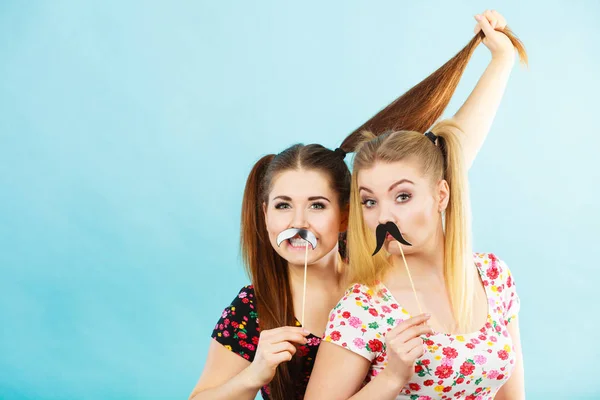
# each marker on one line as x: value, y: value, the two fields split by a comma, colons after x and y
x: 312, y: 198
x: 401, y: 181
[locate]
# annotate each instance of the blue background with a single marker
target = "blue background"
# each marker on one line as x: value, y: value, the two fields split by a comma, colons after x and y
x: 127, y: 130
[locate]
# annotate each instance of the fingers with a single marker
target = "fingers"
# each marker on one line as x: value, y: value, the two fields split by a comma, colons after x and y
x: 409, y: 351
x: 404, y: 325
x: 275, y: 359
x: 501, y: 21
x: 282, y: 347
x: 416, y: 352
x: 414, y: 332
x: 493, y: 18
x: 484, y: 24
x: 405, y: 347
x: 284, y: 334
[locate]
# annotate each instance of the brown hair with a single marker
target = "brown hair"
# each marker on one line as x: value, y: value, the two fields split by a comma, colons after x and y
x: 420, y: 107
x: 267, y: 269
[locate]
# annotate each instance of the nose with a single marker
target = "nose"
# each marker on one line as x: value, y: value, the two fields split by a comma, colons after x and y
x: 385, y: 215
x: 299, y: 220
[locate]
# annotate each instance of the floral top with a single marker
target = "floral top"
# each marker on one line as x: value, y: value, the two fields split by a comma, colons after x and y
x: 470, y: 366
x: 238, y: 330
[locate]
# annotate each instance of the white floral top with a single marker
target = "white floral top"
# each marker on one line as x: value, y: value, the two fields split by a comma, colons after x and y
x: 470, y: 366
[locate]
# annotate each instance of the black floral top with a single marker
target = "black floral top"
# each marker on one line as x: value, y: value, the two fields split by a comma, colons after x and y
x: 238, y: 330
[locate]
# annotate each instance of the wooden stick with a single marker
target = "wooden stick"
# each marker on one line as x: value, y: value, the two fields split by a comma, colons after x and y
x: 410, y: 278
x: 304, y: 292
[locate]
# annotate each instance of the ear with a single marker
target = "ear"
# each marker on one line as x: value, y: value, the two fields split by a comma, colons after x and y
x: 443, y: 195
x: 345, y: 213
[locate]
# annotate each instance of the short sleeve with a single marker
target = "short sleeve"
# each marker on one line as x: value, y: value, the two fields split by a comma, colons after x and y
x: 511, y: 303
x: 353, y: 324
x: 237, y: 329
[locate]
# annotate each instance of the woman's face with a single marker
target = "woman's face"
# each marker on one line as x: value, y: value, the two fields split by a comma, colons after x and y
x: 303, y: 199
x: 400, y: 193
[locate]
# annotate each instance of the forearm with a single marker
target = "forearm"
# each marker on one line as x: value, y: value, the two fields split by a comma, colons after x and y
x: 382, y: 387
x: 240, y: 387
x: 476, y: 115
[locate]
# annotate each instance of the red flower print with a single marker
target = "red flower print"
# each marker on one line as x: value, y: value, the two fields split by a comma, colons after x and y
x: 335, y: 336
x: 429, y: 342
x: 482, y: 337
x: 500, y: 377
x: 493, y: 272
x: 503, y: 355
x: 443, y: 371
x: 380, y: 359
x: 373, y: 312
x: 303, y: 350
x: 394, y: 306
x: 470, y: 345
x: 346, y: 314
x: 428, y: 382
x: 375, y: 345
x: 246, y: 356
x: 447, y: 389
x: 235, y: 324
x: 460, y: 380
x: 425, y: 362
x: 509, y: 281
x: 245, y: 300
x: 243, y: 343
x: 414, y: 386
x: 450, y: 352
x: 470, y: 397
x: 418, y: 369
x: 467, y: 368
x: 242, y: 335
x: 255, y: 340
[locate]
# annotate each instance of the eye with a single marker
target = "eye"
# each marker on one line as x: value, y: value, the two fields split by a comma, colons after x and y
x: 368, y: 203
x: 403, y: 197
x: 282, y: 206
x: 317, y: 206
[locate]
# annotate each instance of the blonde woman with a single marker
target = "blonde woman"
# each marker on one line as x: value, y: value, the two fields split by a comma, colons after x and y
x: 377, y: 343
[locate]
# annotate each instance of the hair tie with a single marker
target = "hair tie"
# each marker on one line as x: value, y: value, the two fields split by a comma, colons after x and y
x: 432, y: 136
x: 339, y: 151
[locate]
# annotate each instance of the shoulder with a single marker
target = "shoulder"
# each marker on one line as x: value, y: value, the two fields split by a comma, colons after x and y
x: 357, y: 294
x: 242, y: 308
x: 495, y: 274
x: 237, y: 328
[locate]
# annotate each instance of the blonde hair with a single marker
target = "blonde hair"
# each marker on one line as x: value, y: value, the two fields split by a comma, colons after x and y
x: 441, y: 161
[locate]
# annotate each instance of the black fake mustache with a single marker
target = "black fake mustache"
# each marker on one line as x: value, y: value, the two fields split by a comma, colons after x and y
x: 382, y: 231
x: 303, y: 233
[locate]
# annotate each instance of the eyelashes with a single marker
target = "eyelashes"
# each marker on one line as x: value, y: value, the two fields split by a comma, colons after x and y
x: 400, y: 198
x: 315, y: 206
x: 405, y: 197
